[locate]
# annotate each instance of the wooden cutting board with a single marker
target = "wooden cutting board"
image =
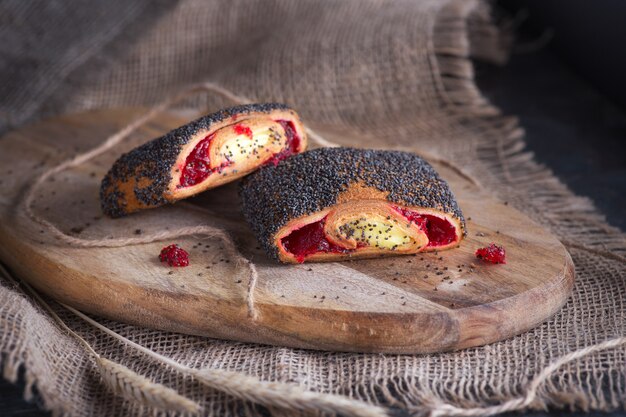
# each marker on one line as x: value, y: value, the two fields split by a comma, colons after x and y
x: 413, y: 304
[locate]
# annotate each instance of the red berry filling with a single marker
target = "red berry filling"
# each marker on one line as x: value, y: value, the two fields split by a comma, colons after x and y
x: 198, y: 163
x: 243, y: 130
x: 311, y: 238
x: 308, y: 240
x: 440, y: 231
x: 174, y: 255
x: 492, y: 253
x: 293, y: 143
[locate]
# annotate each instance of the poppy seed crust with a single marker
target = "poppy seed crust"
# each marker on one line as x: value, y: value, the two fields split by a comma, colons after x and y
x: 142, y: 177
x: 313, y: 181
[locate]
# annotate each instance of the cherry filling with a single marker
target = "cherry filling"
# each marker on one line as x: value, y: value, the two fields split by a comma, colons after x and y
x: 440, y: 231
x: 308, y: 240
x: 243, y: 130
x: 293, y: 143
x: 311, y: 238
x: 198, y: 164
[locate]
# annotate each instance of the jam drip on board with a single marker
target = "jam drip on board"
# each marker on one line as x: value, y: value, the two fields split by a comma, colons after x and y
x: 440, y: 231
x: 492, y: 253
x: 174, y: 255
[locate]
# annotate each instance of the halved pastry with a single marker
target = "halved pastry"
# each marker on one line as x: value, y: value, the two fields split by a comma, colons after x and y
x: 337, y: 203
x: 208, y: 152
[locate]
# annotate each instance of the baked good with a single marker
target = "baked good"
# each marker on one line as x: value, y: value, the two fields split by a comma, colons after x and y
x: 208, y: 152
x: 337, y: 203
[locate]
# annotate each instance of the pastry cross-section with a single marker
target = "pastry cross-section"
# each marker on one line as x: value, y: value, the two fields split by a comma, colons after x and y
x: 206, y: 153
x: 338, y: 203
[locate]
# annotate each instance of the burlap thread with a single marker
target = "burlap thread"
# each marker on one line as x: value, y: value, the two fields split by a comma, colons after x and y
x: 399, y: 74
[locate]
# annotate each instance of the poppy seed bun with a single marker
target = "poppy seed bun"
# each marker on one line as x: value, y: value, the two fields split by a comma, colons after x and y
x: 227, y: 145
x: 312, y: 186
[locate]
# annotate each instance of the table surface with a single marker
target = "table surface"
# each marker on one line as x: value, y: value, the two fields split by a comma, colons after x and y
x: 572, y: 129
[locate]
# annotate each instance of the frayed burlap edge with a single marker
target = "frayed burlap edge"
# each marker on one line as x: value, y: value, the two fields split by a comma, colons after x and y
x: 505, y: 168
x: 510, y: 171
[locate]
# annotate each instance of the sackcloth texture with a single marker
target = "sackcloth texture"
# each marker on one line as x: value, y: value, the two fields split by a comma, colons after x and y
x: 396, y: 70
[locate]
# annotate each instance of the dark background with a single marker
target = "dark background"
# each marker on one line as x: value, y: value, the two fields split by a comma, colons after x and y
x: 566, y: 83
x: 588, y: 36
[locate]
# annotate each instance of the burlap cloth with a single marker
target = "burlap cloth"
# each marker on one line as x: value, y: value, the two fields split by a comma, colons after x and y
x: 398, y: 70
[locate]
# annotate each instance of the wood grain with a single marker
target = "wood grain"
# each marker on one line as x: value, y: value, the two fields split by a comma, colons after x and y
x: 416, y: 304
